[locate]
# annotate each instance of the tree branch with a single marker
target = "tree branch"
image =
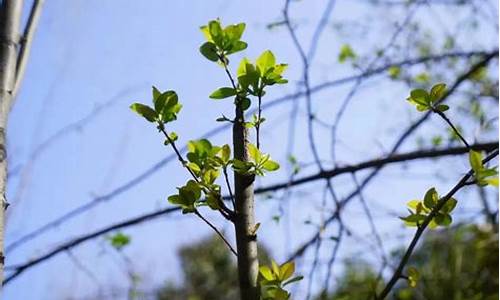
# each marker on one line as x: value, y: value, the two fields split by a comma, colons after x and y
x: 399, y: 270
x: 25, y: 44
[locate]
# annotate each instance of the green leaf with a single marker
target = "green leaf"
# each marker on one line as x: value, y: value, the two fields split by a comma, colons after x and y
x: 442, y: 107
x: 236, y: 47
x: 442, y: 219
x: 156, y: 94
x: 287, y: 270
x: 266, y: 272
x: 295, y: 279
x: 213, y: 202
x: 420, y: 96
x: 222, y: 93
x: 170, y: 107
x: 492, y: 181
x: 234, y: 32
x: 346, y: 53
x: 145, y: 111
x: 210, y: 176
x: 394, y: 72
x: 193, y: 167
x: 270, y: 165
x: 247, y: 74
x: 422, y: 78
x: 413, y: 220
x: 476, y: 161
x: 215, y: 29
x: 254, y: 152
x: 449, y: 205
x: 413, y: 276
x: 275, y: 268
x: 226, y: 153
x: 244, y: 103
x: 206, y: 33
x: 119, y: 240
x: 209, y: 50
x: 265, y: 61
x: 431, y: 198
x: 437, y: 92
x: 172, y: 137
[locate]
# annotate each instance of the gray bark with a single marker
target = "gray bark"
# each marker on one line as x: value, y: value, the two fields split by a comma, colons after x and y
x: 10, y: 18
x: 246, y: 239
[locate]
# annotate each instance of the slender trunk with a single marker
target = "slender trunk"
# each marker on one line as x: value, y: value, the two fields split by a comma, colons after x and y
x: 10, y: 16
x: 246, y: 240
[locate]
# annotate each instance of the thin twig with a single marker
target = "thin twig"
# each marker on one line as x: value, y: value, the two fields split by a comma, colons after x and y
x: 224, y: 170
x: 177, y: 152
x: 457, y: 132
x: 216, y: 231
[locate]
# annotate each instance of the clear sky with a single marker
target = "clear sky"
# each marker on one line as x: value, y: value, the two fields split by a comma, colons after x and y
x: 90, y: 54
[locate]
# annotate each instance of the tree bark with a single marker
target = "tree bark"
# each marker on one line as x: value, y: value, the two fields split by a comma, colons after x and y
x: 246, y: 239
x: 10, y: 18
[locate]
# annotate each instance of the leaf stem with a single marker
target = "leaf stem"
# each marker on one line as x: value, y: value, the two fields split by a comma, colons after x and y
x: 229, y: 187
x: 444, y: 117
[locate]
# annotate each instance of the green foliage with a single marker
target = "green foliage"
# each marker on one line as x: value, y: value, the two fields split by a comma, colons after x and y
x: 205, y: 162
x: 166, y: 107
x: 484, y: 176
x: 259, y: 163
x: 413, y: 276
x: 275, y: 278
x: 254, y: 78
x: 419, y: 210
x: 394, y: 72
x: 346, y: 53
x: 459, y: 262
x: 424, y: 100
x: 357, y: 282
x: 222, y: 93
x: 222, y: 41
x: 119, y: 240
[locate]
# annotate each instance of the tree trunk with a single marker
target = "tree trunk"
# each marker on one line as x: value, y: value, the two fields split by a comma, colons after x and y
x: 246, y: 240
x: 10, y: 17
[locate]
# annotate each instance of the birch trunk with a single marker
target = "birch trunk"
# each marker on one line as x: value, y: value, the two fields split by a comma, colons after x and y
x: 10, y: 17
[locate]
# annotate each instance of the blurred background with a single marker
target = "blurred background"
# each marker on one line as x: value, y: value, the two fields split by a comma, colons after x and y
x: 82, y: 165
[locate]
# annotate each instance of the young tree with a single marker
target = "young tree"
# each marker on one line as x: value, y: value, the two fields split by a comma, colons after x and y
x: 205, y: 162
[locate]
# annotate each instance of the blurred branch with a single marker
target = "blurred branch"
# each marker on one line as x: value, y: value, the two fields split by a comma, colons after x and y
x: 407, y: 133
x: 18, y: 269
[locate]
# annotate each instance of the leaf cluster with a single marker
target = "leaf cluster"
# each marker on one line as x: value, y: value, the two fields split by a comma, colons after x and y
x: 425, y: 100
x: 273, y: 280
x: 419, y: 210
x: 483, y: 175
x: 259, y: 163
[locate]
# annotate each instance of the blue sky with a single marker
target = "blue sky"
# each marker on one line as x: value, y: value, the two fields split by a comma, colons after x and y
x: 88, y: 53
